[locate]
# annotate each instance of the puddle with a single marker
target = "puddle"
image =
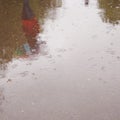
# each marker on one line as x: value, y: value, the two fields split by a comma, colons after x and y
x: 59, y: 59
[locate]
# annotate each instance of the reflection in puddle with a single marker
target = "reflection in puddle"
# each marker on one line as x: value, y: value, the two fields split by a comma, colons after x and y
x: 31, y: 29
x: 22, y: 39
x: 78, y: 79
x: 110, y: 11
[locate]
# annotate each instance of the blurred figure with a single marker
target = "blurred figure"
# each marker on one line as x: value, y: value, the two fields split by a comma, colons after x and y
x: 31, y: 28
x: 86, y: 2
x: 29, y: 21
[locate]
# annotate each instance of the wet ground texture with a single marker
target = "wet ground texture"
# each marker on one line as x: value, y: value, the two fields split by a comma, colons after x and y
x: 60, y: 60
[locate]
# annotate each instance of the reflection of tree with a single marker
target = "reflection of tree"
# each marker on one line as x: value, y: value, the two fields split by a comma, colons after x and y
x: 111, y: 10
x: 11, y: 34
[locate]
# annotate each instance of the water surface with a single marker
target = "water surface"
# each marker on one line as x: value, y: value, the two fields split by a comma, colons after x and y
x: 75, y: 73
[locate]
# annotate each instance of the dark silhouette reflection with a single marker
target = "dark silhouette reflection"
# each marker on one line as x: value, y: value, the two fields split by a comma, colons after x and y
x: 110, y: 11
x: 86, y: 2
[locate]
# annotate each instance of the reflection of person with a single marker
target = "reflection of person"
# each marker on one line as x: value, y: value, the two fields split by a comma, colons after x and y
x: 30, y: 27
x: 86, y: 2
x: 29, y: 21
